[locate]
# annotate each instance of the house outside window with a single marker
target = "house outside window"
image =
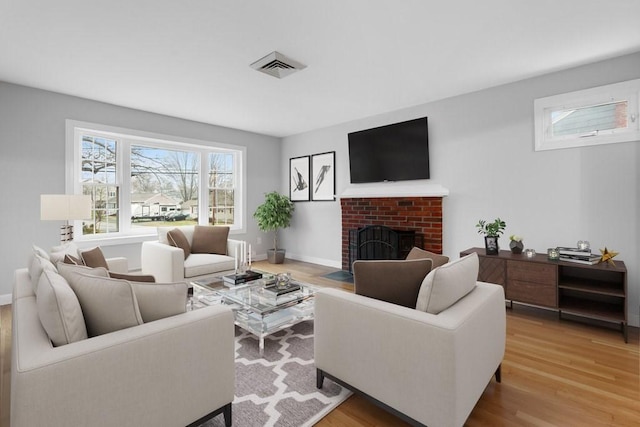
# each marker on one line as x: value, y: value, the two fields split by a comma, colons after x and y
x: 138, y: 182
x: 602, y: 115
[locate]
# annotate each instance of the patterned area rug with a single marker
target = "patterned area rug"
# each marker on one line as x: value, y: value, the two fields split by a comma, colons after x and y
x: 279, y: 389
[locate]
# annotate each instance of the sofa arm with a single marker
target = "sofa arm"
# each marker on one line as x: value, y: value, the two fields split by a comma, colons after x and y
x: 164, y: 262
x: 118, y: 265
x: 144, y: 375
x: 432, y: 368
x: 232, y: 246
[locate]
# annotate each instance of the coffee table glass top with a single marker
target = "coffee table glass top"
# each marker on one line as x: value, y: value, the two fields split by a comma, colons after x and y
x: 253, y: 296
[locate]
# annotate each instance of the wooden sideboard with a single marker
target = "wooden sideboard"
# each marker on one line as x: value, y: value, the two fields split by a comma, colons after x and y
x: 591, y: 291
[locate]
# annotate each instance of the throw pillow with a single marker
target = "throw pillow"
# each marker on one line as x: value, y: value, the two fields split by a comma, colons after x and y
x: 38, y: 264
x: 59, y: 253
x: 160, y: 300
x: 70, y: 271
x: 146, y: 278
x: 41, y: 252
x: 417, y: 253
x: 94, y: 258
x: 177, y: 238
x: 394, y: 281
x: 210, y: 239
x: 108, y: 304
x: 59, y: 310
x: 445, y: 285
x: 70, y: 259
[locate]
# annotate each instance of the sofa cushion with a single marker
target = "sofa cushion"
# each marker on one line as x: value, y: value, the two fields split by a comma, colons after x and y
x: 59, y: 310
x: 177, y: 238
x: 445, y: 285
x: 38, y: 264
x: 107, y: 304
x: 160, y: 300
x: 69, y: 270
x: 210, y: 239
x: 394, y: 281
x: 58, y: 253
x: 94, y: 258
x: 199, y: 264
x: 417, y: 253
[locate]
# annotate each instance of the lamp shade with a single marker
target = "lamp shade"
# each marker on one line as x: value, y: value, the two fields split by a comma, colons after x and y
x: 65, y: 207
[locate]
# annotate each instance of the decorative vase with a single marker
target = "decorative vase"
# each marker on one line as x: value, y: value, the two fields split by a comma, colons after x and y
x: 516, y: 247
x: 491, y: 245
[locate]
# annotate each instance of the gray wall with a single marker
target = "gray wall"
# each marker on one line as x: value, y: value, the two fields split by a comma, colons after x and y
x: 32, y: 153
x: 481, y: 149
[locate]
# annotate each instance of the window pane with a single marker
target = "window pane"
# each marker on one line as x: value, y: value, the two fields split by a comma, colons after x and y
x: 587, y: 120
x: 164, y: 186
x: 221, y: 188
x: 98, y: 175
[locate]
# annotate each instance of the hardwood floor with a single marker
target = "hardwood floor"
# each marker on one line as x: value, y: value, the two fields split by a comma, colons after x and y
x: 555, y: 372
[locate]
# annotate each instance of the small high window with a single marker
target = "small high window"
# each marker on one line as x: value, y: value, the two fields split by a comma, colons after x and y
x: 601, y: 115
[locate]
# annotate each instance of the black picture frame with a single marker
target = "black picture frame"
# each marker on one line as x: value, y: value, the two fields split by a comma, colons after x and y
x: 299, y: 186
x: 323, y: 176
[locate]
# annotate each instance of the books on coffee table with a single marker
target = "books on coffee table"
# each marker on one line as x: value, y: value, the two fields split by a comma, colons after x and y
x: 239, y: 278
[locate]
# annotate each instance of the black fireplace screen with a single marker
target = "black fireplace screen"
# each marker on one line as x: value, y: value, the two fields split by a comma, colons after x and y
x: 381, y: 242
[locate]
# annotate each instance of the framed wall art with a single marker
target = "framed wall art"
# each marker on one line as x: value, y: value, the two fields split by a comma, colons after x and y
x: 299, y: 187
x: 323, y: 175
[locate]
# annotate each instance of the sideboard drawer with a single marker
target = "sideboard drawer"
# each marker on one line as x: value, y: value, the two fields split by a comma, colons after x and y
x: 532, y: 293
x: 532, y: 272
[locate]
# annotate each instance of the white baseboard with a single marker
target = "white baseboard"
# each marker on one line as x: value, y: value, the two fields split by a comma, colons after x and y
x: 314, y: 260
x: 5, y: 299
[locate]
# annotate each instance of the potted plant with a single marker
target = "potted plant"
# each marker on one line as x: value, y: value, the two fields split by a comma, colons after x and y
x: 491, y: 231
x: 273, y: 214
x: 515, y: 244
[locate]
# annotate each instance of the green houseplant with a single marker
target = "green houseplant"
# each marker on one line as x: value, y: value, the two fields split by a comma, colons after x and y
x: 273, y: 214
x: 491, y: 231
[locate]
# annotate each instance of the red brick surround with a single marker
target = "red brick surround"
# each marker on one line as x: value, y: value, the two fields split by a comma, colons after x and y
x: 422, y: 214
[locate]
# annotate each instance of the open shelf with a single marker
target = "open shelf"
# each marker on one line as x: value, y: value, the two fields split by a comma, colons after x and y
x: 592, y: 286
x: 593, y: 309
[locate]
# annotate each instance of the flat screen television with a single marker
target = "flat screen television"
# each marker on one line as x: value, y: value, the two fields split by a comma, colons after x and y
x: 396, y: 152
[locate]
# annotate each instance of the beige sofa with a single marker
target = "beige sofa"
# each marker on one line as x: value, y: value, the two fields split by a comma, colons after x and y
x: 429, y: 369
x: 169, y: 372
x: 168, y: 264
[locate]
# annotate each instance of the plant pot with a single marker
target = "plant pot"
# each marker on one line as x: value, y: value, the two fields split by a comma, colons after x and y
x: 275, y: 256
x: 516, y: 247
x: 491, y: 245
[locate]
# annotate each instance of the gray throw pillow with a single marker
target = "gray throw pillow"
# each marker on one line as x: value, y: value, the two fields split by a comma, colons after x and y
x: 447, y: 284
x: 59, y: 310
x: 438, y: 260
x: 160, y: 300
x: 107, y: 304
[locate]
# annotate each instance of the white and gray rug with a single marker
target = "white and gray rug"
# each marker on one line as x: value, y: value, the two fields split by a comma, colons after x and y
x: 279, y: 389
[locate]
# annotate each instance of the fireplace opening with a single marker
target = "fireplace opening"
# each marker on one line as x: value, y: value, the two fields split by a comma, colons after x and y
x: 374, y: 242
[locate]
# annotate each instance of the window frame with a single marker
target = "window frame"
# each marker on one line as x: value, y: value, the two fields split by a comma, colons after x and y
x: 544, y: 107
x: 125, y: 139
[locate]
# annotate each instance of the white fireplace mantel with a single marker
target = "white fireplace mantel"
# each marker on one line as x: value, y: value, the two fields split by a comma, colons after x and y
x: 419, y: 188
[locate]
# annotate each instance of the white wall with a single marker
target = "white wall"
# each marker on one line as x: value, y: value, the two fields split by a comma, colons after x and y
x: 481, y: 149
x: 32, y: 153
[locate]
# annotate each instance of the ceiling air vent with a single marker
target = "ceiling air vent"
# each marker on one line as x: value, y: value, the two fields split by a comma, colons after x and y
x: 277, y: 65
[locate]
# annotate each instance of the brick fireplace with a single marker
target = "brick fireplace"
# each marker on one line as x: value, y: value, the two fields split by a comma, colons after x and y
x: 422, y: 214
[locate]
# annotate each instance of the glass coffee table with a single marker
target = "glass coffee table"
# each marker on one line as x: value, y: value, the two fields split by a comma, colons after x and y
x: 257, y: 310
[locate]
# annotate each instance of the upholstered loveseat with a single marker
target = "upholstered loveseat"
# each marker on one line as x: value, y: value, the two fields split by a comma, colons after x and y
x: 428, y: 368
x: 66, y: 370
x: 172, y: 263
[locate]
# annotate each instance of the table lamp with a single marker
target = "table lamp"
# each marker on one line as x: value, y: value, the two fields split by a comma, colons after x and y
x: 65, y: 207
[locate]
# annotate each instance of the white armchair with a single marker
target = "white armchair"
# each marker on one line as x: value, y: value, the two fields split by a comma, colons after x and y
x: 427, y: 368
x: 168, y: 264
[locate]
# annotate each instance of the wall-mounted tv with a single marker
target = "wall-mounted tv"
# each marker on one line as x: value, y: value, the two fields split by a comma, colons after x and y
x: 396, y: 152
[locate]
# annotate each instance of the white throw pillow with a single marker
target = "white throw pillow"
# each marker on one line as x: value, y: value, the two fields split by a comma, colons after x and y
x: 108, y: 304
x: 160, y: 300
x: 446, y: 284
x: 38, y: 264
x: 70, y: 271
x: 58, y: 252
x: 59, y: 310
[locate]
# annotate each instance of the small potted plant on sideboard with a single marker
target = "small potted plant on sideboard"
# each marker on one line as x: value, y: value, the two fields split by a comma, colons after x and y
x: 491, y: 231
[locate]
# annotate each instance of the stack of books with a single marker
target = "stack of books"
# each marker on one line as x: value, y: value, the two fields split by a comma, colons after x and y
x: 579, y: 256
x: 274, y: 294
x: 237, y: 279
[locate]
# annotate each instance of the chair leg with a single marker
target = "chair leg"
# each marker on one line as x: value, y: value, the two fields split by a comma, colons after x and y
x: 227, y: 415
x: 498, y: 373
x: 319, y: 378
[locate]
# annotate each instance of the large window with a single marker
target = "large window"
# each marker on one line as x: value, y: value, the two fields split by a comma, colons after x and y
x: 600, y: 115
x: 137, y: 181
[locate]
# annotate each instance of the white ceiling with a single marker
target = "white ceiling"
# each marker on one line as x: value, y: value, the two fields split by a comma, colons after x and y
x: 190, y: 58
